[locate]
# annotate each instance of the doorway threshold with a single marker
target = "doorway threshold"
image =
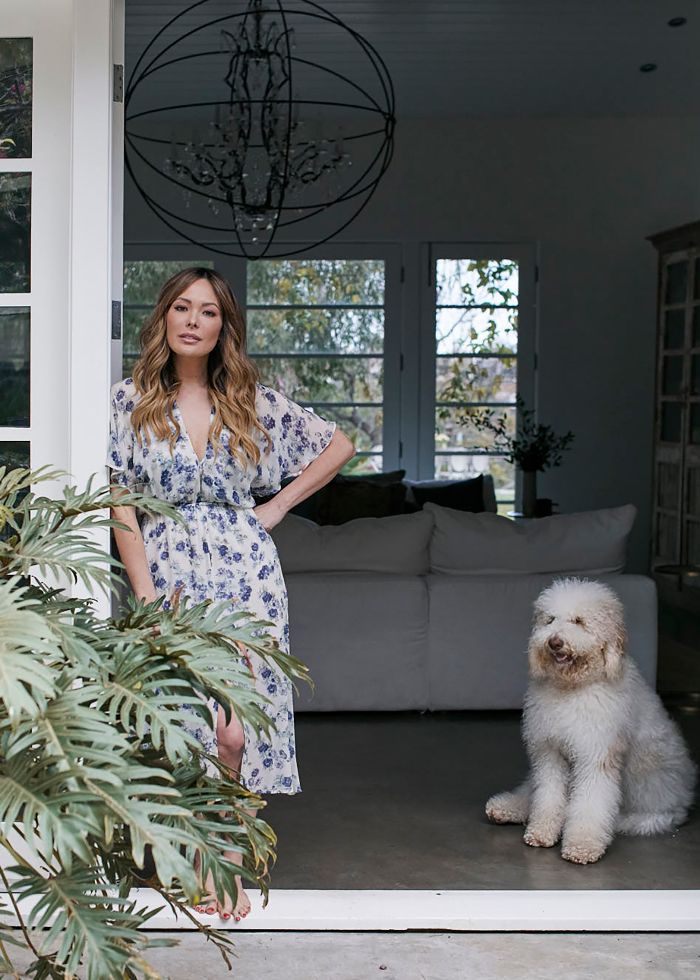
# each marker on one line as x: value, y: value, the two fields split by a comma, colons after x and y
x: 309, y: 910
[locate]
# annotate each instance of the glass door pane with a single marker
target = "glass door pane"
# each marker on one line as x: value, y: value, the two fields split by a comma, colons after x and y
x: 316, y: 330
x: 476, y: 348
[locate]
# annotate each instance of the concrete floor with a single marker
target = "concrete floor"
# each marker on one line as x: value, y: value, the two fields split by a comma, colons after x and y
x: 433, y: 956
x: 396, y: 801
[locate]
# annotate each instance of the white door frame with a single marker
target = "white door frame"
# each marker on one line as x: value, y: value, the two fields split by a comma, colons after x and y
x: 96, y: 238
x: 76, y: 233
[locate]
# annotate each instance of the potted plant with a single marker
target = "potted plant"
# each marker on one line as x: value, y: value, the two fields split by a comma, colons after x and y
x: 95, y: 768
x: 532, y: 447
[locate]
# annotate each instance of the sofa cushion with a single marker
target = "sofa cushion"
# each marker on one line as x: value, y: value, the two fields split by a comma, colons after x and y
x: 592, y: 541
x: 398, y: 544
x: 363, y: 636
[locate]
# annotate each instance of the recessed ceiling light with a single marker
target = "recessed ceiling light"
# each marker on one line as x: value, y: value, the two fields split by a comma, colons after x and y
x: 649, y: 66
x: 677, y: 21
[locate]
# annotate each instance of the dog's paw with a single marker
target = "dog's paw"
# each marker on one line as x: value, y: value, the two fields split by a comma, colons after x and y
x: 541, y: 835
x: 502, y: 809
x: 507, y: 808
x: 582, y: 851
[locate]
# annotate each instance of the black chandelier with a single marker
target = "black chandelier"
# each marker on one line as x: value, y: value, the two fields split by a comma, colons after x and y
x: 282, y: 152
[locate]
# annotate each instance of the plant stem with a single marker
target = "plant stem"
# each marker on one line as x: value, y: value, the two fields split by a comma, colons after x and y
x: 7, y: 958
x: 15, y: 906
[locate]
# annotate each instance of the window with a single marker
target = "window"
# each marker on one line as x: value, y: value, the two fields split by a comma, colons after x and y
x: 482, y: 305
x: 316, y: 329
x: 476, y: 344
x: 398, y: 361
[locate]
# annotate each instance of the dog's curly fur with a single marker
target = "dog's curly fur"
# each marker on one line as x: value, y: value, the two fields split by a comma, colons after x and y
x: 605, y: 756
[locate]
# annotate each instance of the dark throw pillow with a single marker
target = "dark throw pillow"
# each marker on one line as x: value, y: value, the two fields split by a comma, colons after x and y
x: 349, y: 495
x: 349, y: 499
x: 383, y: 479
x: 457, y: 494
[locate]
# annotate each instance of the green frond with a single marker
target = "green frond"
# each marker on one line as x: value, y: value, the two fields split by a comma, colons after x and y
x: 51, y: 533
x: 8, y: 936
x: 144, y: 695
x: 25, y: 638
x: 94, y: 928
x: 69, y: 732
x: 39, y: 799
x: 138, y: 806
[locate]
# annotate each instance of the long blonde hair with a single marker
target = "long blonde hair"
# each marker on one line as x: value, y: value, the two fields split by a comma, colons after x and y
x: 231, y: 375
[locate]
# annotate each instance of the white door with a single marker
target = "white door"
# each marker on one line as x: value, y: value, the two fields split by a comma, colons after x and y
x: 60, y: 233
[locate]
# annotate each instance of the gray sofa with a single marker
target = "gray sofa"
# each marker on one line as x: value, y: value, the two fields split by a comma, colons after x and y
x: 432, y: 610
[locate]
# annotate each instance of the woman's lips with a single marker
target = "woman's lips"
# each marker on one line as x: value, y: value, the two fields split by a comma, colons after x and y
x: 189, y: 340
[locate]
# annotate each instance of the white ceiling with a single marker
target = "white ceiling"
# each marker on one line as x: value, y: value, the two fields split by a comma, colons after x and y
x: 451, y: 58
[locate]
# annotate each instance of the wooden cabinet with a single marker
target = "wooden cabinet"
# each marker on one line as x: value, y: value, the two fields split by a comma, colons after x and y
x: 675, y: 545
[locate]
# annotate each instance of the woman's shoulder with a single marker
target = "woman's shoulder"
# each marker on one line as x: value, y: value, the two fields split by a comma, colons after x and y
x: 123, y: 394
x: 265, y: 396
x: 263, y: 390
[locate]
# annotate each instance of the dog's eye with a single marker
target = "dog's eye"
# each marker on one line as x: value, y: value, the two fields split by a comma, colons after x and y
x: 548, y: 620
x: 579, y: 621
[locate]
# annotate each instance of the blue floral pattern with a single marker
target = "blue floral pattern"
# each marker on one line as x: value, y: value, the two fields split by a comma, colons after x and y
x: 224, y: 552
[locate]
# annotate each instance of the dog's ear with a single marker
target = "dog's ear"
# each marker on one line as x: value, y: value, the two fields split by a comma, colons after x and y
x: 614, y: 649
x: 538, y: 612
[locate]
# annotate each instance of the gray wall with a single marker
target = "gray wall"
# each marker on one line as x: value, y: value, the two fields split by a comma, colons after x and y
x: 587, y: 191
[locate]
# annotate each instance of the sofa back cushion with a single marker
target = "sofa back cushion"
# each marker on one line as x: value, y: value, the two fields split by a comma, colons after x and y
x: 594, y: 542
x: 398, y: 544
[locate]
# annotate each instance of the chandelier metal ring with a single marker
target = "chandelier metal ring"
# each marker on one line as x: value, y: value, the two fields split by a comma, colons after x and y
x: 275, y: 155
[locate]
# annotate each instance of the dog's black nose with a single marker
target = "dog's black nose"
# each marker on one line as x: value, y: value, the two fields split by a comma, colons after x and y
x: 555, y: 643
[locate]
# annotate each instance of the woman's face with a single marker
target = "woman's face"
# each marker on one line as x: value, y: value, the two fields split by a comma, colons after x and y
x: 194, y: 312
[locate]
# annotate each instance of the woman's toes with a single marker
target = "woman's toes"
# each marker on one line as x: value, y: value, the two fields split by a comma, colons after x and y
x: 244, y: 908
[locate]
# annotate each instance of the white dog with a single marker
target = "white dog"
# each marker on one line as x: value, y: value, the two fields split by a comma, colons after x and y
x: 604, y: 754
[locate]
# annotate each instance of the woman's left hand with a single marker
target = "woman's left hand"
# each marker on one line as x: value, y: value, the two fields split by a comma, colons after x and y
x: 270, y: 513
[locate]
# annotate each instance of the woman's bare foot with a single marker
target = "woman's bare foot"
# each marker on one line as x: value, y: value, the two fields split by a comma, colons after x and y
x: 228, y: 908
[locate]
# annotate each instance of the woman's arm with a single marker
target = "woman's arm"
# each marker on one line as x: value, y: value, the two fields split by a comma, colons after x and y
x: 319, y: 472
x: 132, y: 551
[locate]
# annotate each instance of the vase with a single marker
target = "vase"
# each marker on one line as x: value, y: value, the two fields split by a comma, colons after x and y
x: 529, y: 492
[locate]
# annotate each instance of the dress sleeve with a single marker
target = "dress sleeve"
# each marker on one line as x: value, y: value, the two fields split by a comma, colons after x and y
x: 298, y: 434
x: 120, y: 444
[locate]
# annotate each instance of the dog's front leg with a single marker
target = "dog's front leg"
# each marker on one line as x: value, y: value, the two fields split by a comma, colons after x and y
x: 550, y: 776
x: 593, y: 809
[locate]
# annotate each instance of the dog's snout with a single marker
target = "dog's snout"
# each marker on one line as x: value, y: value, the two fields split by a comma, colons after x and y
x: 555, y: 643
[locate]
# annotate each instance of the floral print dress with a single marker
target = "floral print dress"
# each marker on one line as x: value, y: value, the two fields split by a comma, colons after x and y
x: 224, y: 552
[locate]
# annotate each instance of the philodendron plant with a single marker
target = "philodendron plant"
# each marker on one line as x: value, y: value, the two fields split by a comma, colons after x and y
x: 95, y: 767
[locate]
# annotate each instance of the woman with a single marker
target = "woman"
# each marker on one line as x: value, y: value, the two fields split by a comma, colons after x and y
x: 215, y: 435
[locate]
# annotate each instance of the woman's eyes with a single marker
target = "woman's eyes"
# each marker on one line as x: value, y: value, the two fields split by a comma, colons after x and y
x: 183, y: 309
